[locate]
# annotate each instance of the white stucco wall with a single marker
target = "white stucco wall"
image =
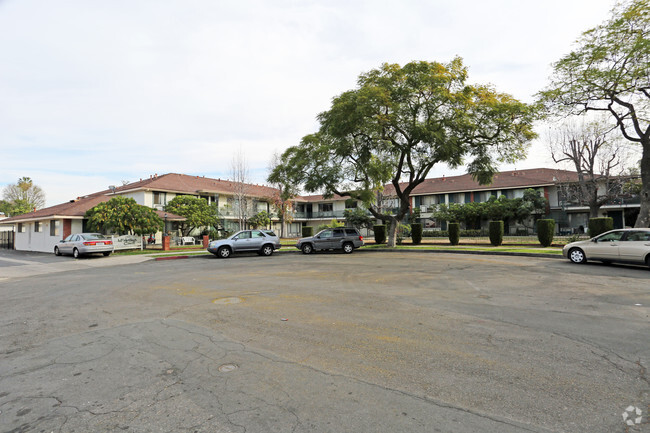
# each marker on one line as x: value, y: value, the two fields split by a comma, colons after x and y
x: 42, y: 241
x: 138, y: 196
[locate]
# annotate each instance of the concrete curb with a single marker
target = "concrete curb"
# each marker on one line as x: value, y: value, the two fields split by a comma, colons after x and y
x: 396, y: 250
x: 481, y: 253
x: 173, y: 257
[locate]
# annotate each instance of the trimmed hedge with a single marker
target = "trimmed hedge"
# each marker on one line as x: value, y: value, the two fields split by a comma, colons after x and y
x: 454, y: 233
x: 416, y: 233
x: 380, y: 233
x: 307, y: 231
x: 545, y: 231
x: 600, y: 225
x: 496, y: 233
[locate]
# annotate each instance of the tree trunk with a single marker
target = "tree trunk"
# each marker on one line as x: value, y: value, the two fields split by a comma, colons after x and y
x: 392, y: 233
x: 593, y: 210
x: 643, y: 220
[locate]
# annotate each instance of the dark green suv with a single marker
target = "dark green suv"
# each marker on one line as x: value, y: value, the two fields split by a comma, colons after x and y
x: 346, y: 239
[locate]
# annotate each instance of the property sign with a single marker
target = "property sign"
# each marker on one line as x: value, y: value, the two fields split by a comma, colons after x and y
x: 127, y: 242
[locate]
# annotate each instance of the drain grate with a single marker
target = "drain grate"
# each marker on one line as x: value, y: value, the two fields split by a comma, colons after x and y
x: 227, y: 301
x: 227, y: 368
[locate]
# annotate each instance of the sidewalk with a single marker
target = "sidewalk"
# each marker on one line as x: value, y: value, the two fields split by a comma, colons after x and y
x: 27, y: 268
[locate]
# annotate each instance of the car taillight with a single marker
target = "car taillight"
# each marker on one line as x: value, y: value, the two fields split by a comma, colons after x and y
x: 90, y: 243
x: 108, y: 242
x: 360, y: 237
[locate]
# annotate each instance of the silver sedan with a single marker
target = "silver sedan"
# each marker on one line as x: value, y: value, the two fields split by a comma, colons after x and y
x: 624, y: 245
x: 84, y: 243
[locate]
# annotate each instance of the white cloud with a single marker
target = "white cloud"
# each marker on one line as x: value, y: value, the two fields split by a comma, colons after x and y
x: 96, y: 92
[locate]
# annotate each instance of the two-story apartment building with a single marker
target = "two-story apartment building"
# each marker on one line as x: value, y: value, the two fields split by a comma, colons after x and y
x: 570, y: 218
x: 40, y: 230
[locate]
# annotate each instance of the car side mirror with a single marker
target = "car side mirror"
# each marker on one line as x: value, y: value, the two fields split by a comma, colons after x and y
x: 317, y: 236
x: 594, y: 240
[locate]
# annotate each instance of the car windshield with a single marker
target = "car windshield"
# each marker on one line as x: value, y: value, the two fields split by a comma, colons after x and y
x: 90, y: 236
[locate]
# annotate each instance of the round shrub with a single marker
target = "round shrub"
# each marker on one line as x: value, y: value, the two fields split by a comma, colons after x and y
x: 454, y: 233
x: 545, y: 232
x: 307, y: 231
x: 600, y: 225
x: 416, y: 233
x: 380, y: 233
x: 496, y: 233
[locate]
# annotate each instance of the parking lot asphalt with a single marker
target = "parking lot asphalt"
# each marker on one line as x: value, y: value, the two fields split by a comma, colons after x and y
x: 326, y: 343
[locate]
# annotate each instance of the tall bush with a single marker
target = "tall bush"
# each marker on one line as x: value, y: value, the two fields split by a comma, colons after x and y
x: 454, y: 233
x: 416, y: 233
x: 380, y: 233
x: 600, y: 225
x: 307, y: 231
x: 545, y: 231
x: 496, y: 233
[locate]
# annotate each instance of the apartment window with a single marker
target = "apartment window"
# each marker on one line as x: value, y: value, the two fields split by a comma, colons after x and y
x: 156, y: 198
x: 326, y: 207
x: 21, y: 229
x: 452, y: 198
x: 54, y: 228
x: 351, y: 204
x: 468, y: 197
x: 37, y: 227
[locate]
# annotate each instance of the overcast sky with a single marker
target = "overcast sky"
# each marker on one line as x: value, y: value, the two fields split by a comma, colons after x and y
x: 96, y: 92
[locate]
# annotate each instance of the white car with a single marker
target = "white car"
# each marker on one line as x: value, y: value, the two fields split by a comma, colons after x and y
x: 624, y: 245
x: 84, y: 243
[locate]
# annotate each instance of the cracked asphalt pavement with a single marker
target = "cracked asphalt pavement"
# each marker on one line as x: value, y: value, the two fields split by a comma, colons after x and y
x: 368, y: 342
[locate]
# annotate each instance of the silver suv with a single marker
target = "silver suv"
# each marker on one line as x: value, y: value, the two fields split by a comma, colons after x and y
x: 264, y: 242
x: 346, y: 239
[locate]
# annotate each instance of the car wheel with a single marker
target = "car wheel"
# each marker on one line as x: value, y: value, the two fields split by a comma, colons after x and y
x: 348, y: 248
x: 647, y: 261
x: 224, y: 252
x: 576, y: 255
x: 307, y: 249
x: 107, y: 253
x: 75, y: 253
x: 267, y: 250
x: 56, y: 251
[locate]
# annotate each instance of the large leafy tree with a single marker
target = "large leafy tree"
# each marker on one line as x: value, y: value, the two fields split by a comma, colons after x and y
x: 22, y: 197
x: 397, y: 125
x: 123, y: 216
x: 609, y: 71
x: 197, y: 212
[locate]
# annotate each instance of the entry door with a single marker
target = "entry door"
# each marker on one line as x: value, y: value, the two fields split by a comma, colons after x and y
x: 243, y: 242
x: 66, y: 247
x: 606, y: 246
x: 324, y: 241
x: 635, y: 246
x: 257, y: 239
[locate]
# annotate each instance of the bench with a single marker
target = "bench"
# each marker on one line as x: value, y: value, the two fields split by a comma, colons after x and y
x: 186, y: 240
